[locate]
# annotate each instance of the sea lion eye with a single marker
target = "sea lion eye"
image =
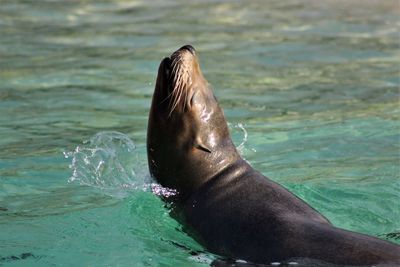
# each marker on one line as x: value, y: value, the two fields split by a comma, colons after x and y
x: 202, y: 147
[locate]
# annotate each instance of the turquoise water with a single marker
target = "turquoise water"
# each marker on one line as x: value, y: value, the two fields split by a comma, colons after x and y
x: 310, y: 89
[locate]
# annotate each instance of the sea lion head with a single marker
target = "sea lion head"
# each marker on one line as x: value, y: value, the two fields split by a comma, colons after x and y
x: 188, y: 140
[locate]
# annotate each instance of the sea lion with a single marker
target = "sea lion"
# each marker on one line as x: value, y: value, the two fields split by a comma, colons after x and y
x: 229, y: 207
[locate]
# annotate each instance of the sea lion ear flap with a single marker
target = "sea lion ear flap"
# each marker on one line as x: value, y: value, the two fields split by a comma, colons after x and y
x: 199, y: 145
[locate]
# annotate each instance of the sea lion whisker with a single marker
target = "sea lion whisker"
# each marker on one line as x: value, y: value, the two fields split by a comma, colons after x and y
x: 184, y: 102
x: 182, y: 90
x: 175, y: 73
x: 177, y: 93
x: 189, y: 82
x: 165, y: 99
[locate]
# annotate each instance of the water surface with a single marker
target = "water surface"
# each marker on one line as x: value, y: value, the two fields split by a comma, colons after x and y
x: 315, y: 84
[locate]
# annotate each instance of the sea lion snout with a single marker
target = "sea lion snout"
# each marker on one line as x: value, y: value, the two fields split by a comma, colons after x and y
x: 184, y: 55
x: 189, y: 48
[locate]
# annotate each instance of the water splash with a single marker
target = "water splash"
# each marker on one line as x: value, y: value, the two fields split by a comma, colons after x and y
x: 245, y: 136
x: 159, y: 190
x: 239, y: 131
x: 110, y: 162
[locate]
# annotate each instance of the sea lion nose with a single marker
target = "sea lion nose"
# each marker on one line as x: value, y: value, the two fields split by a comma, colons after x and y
x: 189, y: 48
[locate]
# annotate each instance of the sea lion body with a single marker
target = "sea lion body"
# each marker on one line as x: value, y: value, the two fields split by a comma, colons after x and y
x: 241, y: 214
x: 225, y: 204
